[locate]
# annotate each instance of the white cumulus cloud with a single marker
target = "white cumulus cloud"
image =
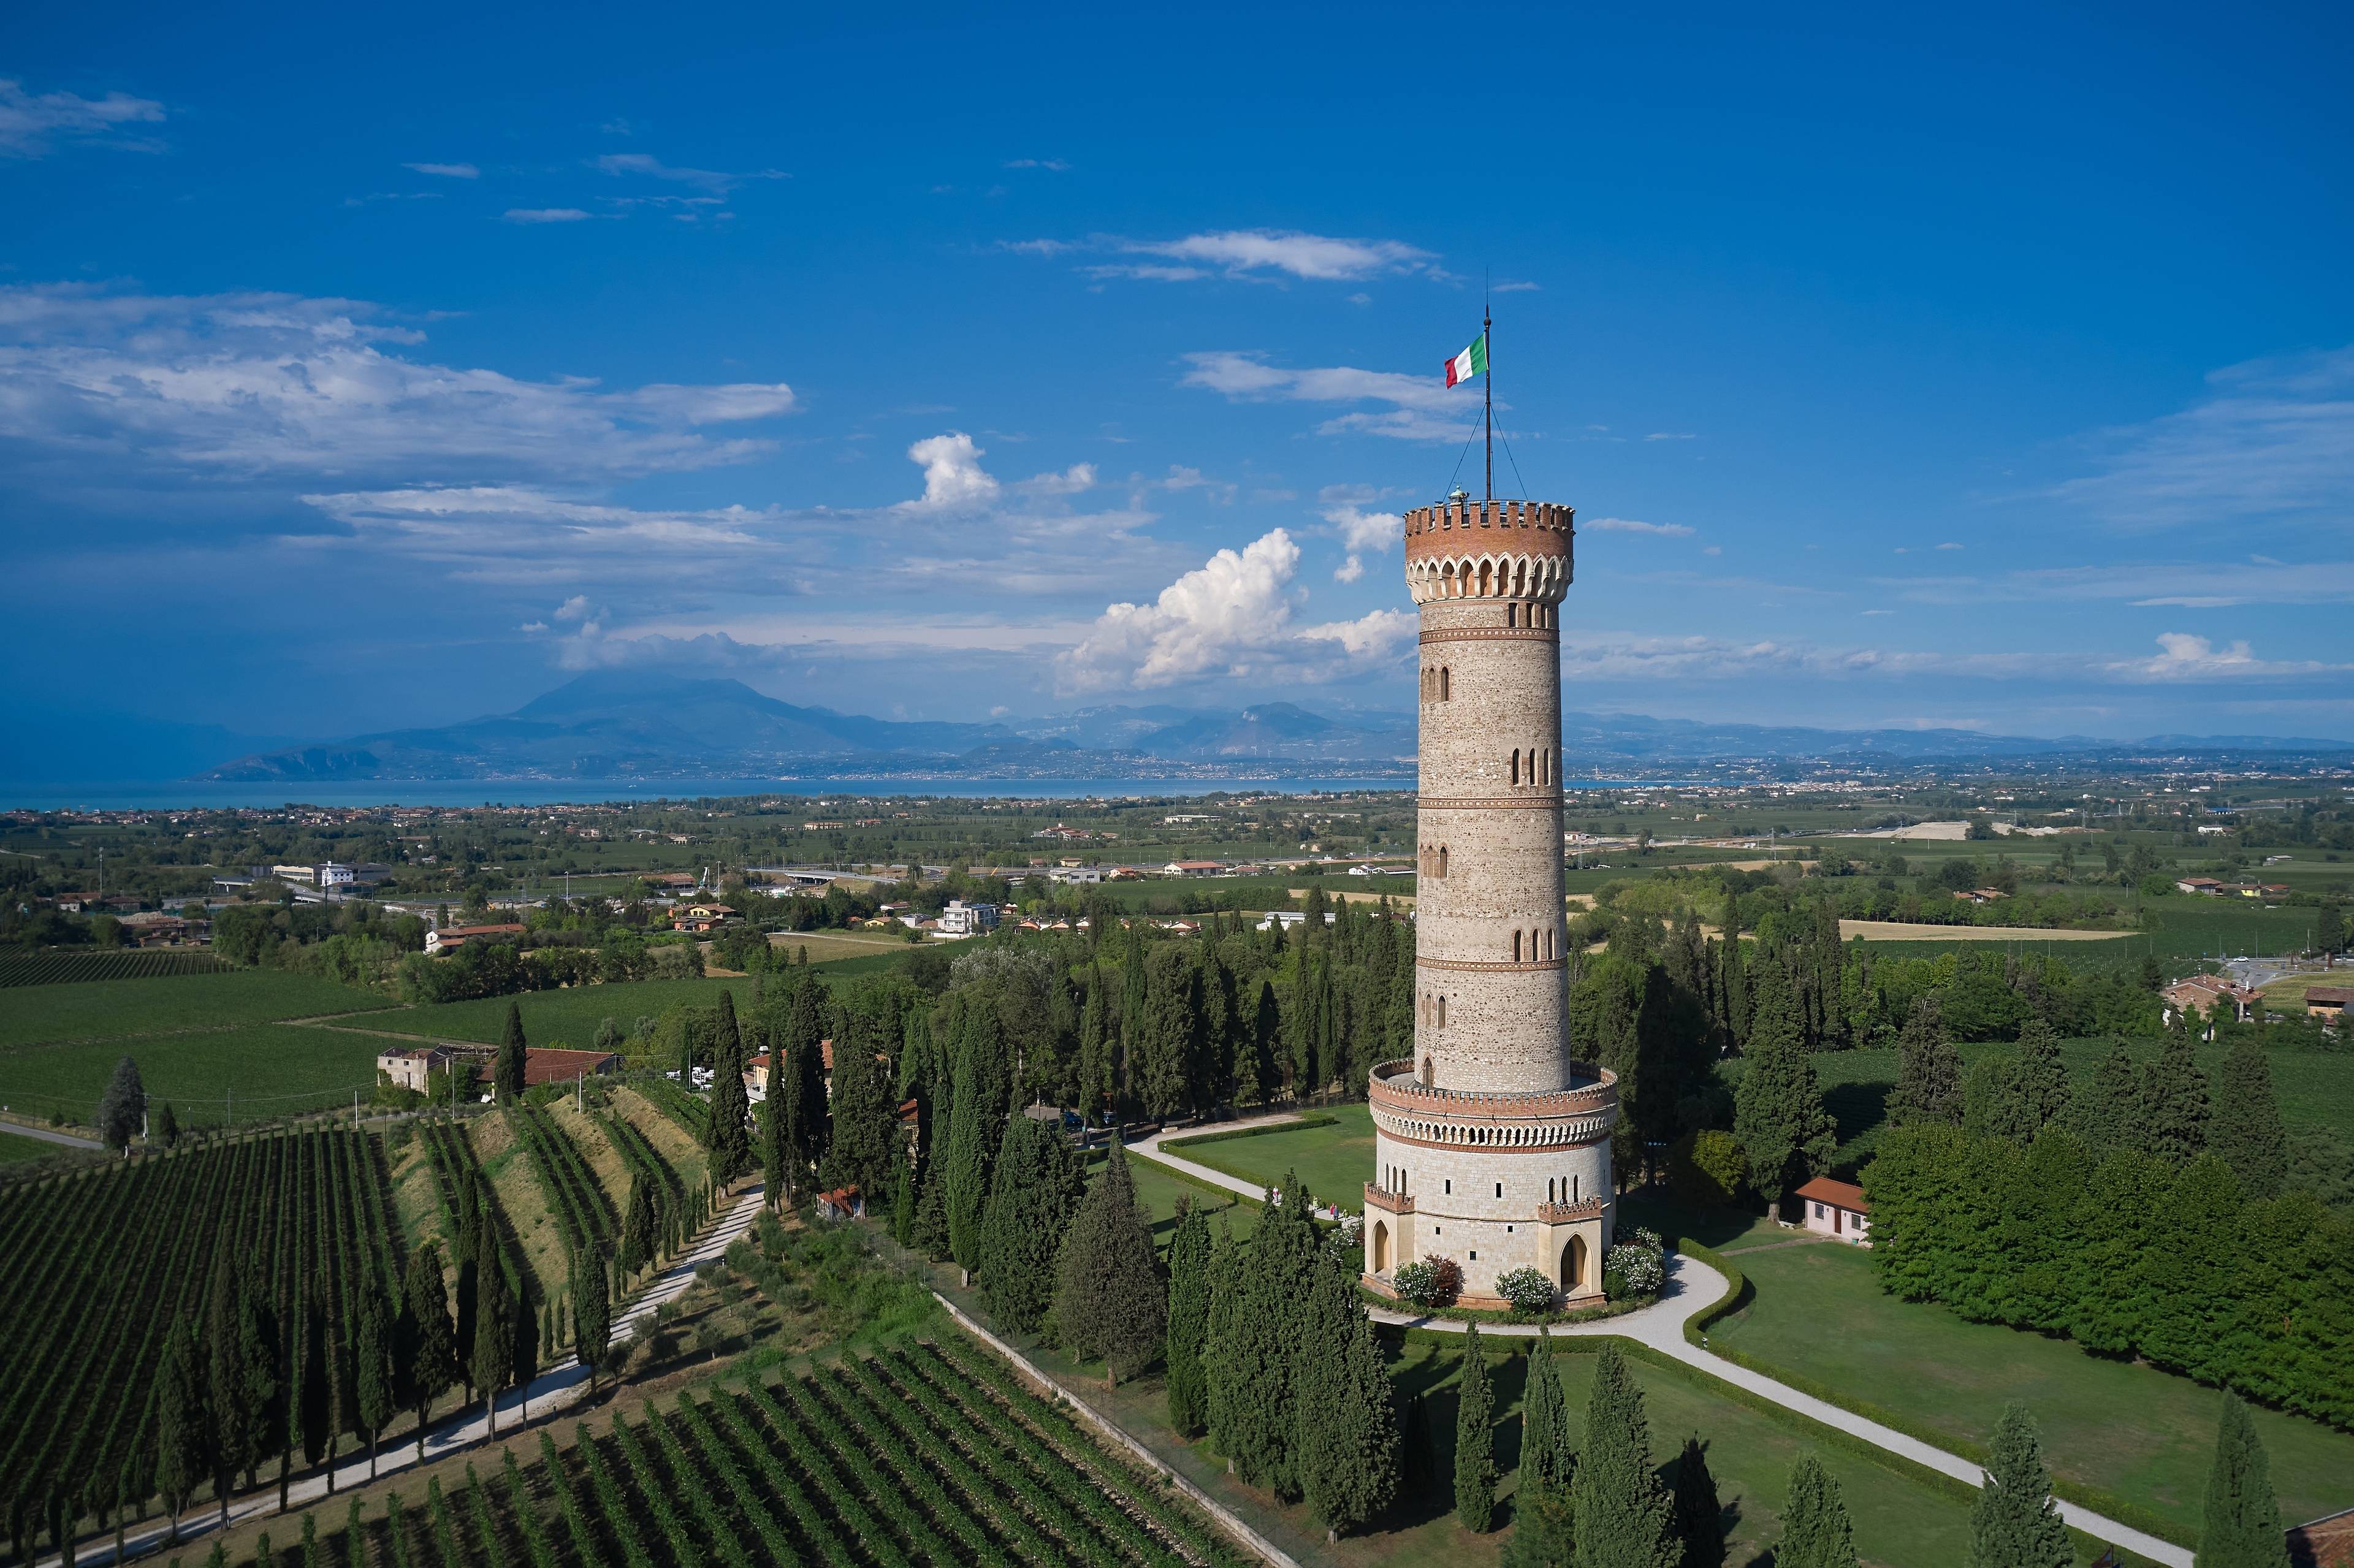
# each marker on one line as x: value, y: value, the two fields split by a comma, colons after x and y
x: 952, y: 472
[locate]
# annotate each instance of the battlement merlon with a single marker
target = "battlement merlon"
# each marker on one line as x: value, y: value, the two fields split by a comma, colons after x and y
x: 1499, y: 550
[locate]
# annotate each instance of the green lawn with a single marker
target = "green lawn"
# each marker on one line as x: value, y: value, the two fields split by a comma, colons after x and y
x: 1334, y: 1162
x: 258, y: 1070
x: 94, y: 1009
x: 2129, y: 1430
x: 1160, y: 1189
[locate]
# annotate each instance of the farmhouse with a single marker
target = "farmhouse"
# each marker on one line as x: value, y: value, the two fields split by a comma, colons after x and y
x: 442, y: 940
x: 2202, y: 995
x: 2329, y: 1002
x: 1837, y: 1209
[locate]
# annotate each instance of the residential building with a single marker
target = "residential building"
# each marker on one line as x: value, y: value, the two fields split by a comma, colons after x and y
x: 302, y: 875
x: 2328, y: 1002
x: 1837, y: 1209
x: 963, y: 919
x: 448, y: 937
x: 2202, y: 995
x: 406, y: 1069
x: 2206, y: 887
x: 1193, y: 868
x: 334, y: 874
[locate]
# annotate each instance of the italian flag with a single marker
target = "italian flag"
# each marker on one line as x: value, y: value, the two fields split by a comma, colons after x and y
x: 1472, y: 361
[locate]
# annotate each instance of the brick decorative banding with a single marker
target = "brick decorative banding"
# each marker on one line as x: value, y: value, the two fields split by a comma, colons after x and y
x: 1500, y: 966
x: 1536, y: 800
x: 1493, y: 634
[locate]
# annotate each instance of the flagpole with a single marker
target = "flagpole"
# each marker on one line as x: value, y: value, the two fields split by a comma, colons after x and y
x: 1488, y: 386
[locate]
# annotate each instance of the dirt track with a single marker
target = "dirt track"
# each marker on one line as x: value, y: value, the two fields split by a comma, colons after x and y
x: 1898, y: 931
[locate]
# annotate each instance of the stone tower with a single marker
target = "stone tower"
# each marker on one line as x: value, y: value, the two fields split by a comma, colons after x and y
x: 1493, y: 1148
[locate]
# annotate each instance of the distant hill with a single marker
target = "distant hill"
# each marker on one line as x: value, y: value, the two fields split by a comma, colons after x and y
x: 647, y: 725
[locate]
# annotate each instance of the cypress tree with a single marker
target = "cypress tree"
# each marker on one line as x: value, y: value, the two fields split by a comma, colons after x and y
x: 1095, y: 1064
x: 123, y: 1109
x: 180, y: 1425
x: 2174, y: 1102
x: 1699, y: 1515
x: 776, y: 1167
x: 2246, y: 1131
x: 1547, y: 1451
x: 167, y: 1127
x: 2014, y: 1523
x: 259, y: 1349
x: 1347, y: 1427
x: 1034, y: 1189
x: 974, y: 1131
x: 506, y: 1074
x: 867, y: 1148
x: 641, y: 1230
x: 1625, y: 1518
x: 1109, y: 1299
x: 491, y: 1361
x: 1816, y: 1532
x: 433, y: 1353
x: 317, y: 1411
x: 724, y: 1133
x: 800, y: 1054
x: 2039, y: 1080
x: 592, y: 1314
x: 224, y: 1379
x: 1189, y: 1321
x: 1928, y: 1071
x: 2106, y: 1113
x: 372, y: 1365
x: 903, y: 1205
x: 932, y: 1214
x: 1779, y: 1116
x: 1475, y: 1438
x: 1223, y: 1346
x: 2242, y: 1527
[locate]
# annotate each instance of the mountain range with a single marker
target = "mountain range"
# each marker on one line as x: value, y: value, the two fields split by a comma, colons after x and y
x: 614, y: 725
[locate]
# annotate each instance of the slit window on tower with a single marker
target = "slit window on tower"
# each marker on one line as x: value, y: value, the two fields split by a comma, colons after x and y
x: 1446, y: 693
x: 1511, y: 615
x: 1516, y: 947
x: 1442, y: 1012
x: 1516, y: 765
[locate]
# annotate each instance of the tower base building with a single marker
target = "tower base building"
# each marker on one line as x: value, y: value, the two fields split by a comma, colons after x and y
x: 1492, y: 1146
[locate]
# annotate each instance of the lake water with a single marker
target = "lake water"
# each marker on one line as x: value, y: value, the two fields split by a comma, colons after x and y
x: 168, y: 796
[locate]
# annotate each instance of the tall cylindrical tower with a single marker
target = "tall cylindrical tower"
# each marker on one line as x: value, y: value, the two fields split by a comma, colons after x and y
x: 1493, y: 1147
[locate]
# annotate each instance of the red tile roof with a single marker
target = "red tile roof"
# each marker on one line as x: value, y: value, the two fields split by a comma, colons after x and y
x: 1839, y: 1195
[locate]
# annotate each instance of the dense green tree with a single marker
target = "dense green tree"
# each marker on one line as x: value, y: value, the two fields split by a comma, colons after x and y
x: 260, y: 1348
x: 1097, y: 1040
x: 2247, y: 1130
x: 182, y: 1430
x: 2241, y: 1527
x: 372, y: 1364
x: 167, y: 1127
x: 507, y: 1072
x: 1475, y: 1438
x: 868, y: 1148
x: 1189, y: 1321
x: 1779, y: 1115
x: 2040, y: 1082
x: 225, y: 1387
x: 1348, y: 1423
x: 123, y: 1109
x: 1109, y: 1298
x: 2174, y: 1102
x: 1034, y: 1188
x: 2106, y: 1110
x: 2014, y: 1523
x: 1928, y: 1071
x: 641, y: 1225
x: 1625, y: 1517
x: 932, y: 1213
x: 1816, y: 1532
x: 1262, y: 1286
x: 798, y: 1043
x: 976, y: 1126
x: 1548, y: 1453
x: 1166, y: 1068
x: 492, y: 1360
x: 726, y: 1133
x: 592, y: 1313
x: 1699, y: 1515
x: 433, y: 1351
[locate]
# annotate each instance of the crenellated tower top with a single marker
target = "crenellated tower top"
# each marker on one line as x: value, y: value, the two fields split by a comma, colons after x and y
x: 1493, y: 550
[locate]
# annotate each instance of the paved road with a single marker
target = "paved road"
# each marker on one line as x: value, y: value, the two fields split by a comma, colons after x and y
x: 562, y: 1386
x: 1692, y: 1288
x: 50, y: 1135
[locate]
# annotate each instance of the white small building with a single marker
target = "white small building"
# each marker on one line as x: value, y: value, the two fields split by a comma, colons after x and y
x: 335, y: 873
x: 962, y: 919
x: 1837, y: 1209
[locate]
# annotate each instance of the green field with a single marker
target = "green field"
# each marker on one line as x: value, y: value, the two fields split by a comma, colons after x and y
x: 567, y: 1017
x: 2129, y: 1430
x: 1334, y: 1162
x: 2187, y: 927
x: 1161, y: 1189
x: 97, y: 1009
x: 253, y: 1071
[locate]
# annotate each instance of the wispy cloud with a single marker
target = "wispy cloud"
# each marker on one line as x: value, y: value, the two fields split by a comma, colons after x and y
x: 1672, y: 436
x: 1244, y: 253
x: 2272, y: 439
x: 1057, y: 165
x: 1422, y: 408
x: 2189, y: 584
x: 447, y: 171
x: 1631, y: 525
x: 31, y: 124
x: 2182, y: 656
x: 546, y: 214
x: 714, y: 182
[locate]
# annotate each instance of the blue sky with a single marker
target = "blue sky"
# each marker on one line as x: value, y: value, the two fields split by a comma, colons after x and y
x: 1989, y: 369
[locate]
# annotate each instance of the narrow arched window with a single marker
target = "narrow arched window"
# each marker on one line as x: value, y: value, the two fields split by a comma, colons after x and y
x: 1516, y: 947
x: 1442, y: 860
x: 1516, y: 765
x: 1442, y: 1012
x: 1445, y: 693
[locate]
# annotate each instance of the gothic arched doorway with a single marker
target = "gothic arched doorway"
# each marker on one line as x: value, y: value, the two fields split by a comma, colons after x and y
x: 1381, y: 1247
x: 1572, y: 1264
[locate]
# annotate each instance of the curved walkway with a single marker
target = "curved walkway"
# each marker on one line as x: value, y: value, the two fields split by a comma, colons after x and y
x: 563, y: 1384
x: 1692, y: 1288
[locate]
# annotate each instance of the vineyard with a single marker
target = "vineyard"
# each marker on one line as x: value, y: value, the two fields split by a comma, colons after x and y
x: 131, y: 963
x: 689, y: 1110
x: 96, y: 1268
x: 931, y: 1457
x: 565, y: 1181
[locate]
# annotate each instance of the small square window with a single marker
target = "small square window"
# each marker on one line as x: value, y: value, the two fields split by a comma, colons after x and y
x: 1508, y: 1230
x: 1500, y: 1189
x: 1450, y: 1183
x: 1475, y: 1254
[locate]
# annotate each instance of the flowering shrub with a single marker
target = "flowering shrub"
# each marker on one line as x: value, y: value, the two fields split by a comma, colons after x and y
x: 1527, y: 1289
x: 1430, y: 1282
x: 1344, y: 1243
x: 1638, y: 1264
